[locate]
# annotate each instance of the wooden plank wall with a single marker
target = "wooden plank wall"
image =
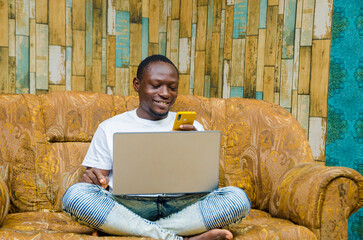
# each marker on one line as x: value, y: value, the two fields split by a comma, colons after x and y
x: 275, y: 50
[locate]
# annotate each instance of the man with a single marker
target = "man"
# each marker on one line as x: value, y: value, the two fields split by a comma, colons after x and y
x: 159, y: 217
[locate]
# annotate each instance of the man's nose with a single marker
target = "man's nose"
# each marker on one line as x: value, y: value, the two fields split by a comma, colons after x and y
x: 164, y: 92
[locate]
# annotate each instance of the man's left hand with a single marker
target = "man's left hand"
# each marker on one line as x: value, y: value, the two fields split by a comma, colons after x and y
x: 187, y: 127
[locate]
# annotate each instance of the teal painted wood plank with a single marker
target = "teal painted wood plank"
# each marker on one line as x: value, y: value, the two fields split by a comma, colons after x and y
x: 122, y: 39
x: 289, y: 29
x: 22, y: 64
x: 162, y: 43
x: 259, y: 95
x: 69, y: 36
x: 68, y: 68
x: 89, y: 32
x: 207, y: 86
x: 145, y: 38
x: 263, y: 12
x: 69, y: 3
x: 236, y: 92
x: 210, y: 20
x: 240, y: 18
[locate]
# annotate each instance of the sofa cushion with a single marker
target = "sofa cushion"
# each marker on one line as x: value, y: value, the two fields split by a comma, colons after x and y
x: 57, y: 225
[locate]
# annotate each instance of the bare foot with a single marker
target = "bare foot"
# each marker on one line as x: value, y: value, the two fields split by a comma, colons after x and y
x: 213, y: 234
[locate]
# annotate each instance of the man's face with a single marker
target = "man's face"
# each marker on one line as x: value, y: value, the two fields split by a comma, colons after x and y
x: 157, y: 89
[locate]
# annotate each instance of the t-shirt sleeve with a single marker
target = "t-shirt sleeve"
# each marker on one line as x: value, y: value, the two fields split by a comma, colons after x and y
x: 99, y: 152
x: 198, y: 126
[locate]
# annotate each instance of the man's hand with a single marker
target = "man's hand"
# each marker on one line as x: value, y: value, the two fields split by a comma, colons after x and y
x: 187, y: 127
x: 96, y: 176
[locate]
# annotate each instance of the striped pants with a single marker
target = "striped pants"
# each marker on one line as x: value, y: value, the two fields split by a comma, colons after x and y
x: 155, y: 217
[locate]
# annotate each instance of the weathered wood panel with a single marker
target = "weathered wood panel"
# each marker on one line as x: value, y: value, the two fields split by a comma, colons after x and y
x: 41, y: 56
x: 260, y: 59
x: 79, y: 53
x: 253, y: 17
x: 135, y: 43
x: 154, y: 21
x: 317, y: 137
x: 304, y: 70
x: 122, y: 81
x: 250, y: 67
x: 240, y: 18
x: 186, y: 12
x: 201, y: 28
x: 238, y: 54
x: 122, y: 39
x: 4, y: 66
x: 323, y: 19
x: 268, y: 84
x: 41, y: 11
x: 57, y: 65
x: 57, y: 22
x: 199, y: 73
x: 79, y: 15
x: 111, y: 60
x: 22, y: 64
x: 228, y: 33
x: 271, y: 36
x: 4, y: 26
x: 289, y: 29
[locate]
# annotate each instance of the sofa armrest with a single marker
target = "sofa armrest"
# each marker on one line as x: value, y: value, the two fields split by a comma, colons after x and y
x: 301, y: 193
x: 4, y: 200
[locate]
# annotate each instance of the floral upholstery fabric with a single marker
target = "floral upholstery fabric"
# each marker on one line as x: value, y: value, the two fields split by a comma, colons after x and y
x: 44, y: 139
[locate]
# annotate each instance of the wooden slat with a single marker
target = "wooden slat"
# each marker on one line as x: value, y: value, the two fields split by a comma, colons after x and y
x: 192, y: 59
x: 304, y: 70
x: 32, y: 89
x: 111, y: 60
x: 323, y: 19
x: 214, y: 77
x: 317, y: 137
x: 68, y: 26
x: 268, y: 84
x: 163, y: 15
x: 41, y: 11
x: 217, y: 8
x: 174, y: 42
x: 145, y: 8
x: 236, y: 92
x: 11, y: 87
x: 104, y: 21
x: 296, y: 59
x: 299, y: 13
x: 278, y: 52
x: 56, y: 88
x: 133, y: 72
x: 22, y: 18
x: 122, y: 81
x: 135, y: 44
x: 276, y: 97
x: 263, y: 12
x: 240, y: 18
x: 183, y: 84
x: 303, y: 112
x: 202, y: 2
x: 250, y: 67
x: 68, y: 68
x: 184, y: 56
x: 123, y: 5
x: 207, y: 86
x: 319, y: 78
x: 168, y: 38
x: 79, y: 15
x: 287, y: 69
x: 111, y: 17
x: 154, y: 49
x: 79, y: 53
x: 104, y: 57
x: 289, y: 29
x: 273, y: 2
x: 122, y: 39
x: 135, y: 11
x: 271, y: 36
x: 97, y: 4
x: 78, y: 83
x: 253, y: 17
x: 22, y: 64
x: 97, y: 34
x: 195, y: 12
x: 42, y: 54
x: 162, y: 43
x: 96, y: 75
x: 89, y: 39
x: 260, y: 59
x: 145, y: 38
x: 57, y: 22
x: 32, y: 50
x: 57, y: 67
x: 4, y: 26
x: 208, y: 56
x: 89, y: 77
x: 226, y: 78
x: 12, y: 39
x: 154, y: 21
x: 12, y: 9
x: 307, y: 23
x: 4, y: 65
x: 238, y: 53
x: 201, y: 28
x: 199, y: 73
x: 228, y: 33
x: 175, y: 9
x: 186, y: 12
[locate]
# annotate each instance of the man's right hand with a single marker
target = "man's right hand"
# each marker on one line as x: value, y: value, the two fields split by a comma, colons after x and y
x: 96, y: 176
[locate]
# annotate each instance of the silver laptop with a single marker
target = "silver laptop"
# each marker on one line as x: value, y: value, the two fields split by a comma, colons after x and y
x: 165, y: 162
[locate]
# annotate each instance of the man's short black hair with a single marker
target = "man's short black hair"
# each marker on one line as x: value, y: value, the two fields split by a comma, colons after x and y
x: 153, y: 58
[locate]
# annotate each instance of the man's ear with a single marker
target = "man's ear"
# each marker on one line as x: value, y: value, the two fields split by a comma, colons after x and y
x: 136, y: 84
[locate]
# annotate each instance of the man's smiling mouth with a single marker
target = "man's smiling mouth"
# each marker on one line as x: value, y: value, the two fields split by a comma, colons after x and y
x: 163, y: 103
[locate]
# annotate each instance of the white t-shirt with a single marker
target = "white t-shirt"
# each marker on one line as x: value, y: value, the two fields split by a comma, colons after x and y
x: 100, y: 152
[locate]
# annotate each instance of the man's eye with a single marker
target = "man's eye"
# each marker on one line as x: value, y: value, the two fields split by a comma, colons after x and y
x: 173, y: 88
x: 155, y: 86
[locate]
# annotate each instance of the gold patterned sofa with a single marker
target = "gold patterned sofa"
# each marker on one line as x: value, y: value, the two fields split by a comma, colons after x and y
x: 44, y: 138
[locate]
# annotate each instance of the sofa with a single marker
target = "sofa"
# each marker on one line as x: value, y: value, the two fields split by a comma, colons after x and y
x: 264, y: 150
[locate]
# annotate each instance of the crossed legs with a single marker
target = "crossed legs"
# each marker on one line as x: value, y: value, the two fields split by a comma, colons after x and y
x: 96, y: 207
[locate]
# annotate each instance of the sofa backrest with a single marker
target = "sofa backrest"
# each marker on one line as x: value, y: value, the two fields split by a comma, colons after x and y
x: 45, y: 138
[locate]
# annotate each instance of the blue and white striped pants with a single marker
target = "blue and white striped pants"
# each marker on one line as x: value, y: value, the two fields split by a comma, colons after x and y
x: 155, y: 217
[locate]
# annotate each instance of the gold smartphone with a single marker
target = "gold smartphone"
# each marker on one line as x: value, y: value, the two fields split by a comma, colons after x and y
x: 184, y: 118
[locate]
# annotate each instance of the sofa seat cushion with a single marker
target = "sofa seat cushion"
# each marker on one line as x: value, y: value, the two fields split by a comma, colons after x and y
x: 260, y: 225
x: 43, y: 221
x: 57, y: 225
